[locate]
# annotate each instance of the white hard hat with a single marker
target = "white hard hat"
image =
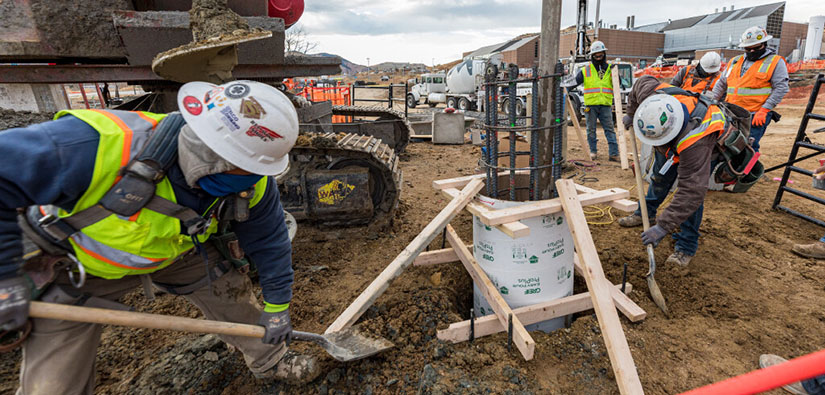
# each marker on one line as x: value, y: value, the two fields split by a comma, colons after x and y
x: 711, y: 62
x: 597, y: 46
x: 754, y: 35
x: 658, y: 120
x: 250, y: 124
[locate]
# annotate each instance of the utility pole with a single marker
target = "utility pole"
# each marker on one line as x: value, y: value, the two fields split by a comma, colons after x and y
x: 548, y: 56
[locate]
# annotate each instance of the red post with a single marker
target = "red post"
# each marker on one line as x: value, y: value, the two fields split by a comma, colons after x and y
x: 83, y: 93
x: 100, y: 96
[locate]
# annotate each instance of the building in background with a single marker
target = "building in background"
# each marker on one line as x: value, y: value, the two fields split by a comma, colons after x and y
x: 637, y: 47
x: 522, y: 50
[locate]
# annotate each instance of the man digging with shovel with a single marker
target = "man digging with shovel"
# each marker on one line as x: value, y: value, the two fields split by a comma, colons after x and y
x: 167, y: 201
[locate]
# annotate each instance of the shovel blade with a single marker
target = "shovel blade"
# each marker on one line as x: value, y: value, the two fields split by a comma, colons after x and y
x: 656, y: 294
x: 351, y: 344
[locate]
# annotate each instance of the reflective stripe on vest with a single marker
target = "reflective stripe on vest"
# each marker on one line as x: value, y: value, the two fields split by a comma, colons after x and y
x: 751, y: 90
x: 694, y: 83
x: 148, y: 241
x: 597, y: 91
x: 713, y: 122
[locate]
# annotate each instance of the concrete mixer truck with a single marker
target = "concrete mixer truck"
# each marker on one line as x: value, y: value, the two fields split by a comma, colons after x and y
x: 461, y: 87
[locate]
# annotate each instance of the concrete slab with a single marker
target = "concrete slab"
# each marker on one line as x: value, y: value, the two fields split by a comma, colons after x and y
x: 448, y: 128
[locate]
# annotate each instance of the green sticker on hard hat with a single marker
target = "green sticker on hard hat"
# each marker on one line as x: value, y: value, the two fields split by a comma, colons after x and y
x: 663, y: 118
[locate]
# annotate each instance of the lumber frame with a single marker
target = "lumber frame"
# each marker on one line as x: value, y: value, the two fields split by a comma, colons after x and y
x: 405, y: 258
x: 435, y: 257
x: 487, y: 325
x: 459, y: 182
x: 617, y: 104
x: 625, y: 205
x: 574, y: 117
x: 621, y: 359
x: 549, y: 206
x: 525, y: 344
x: 513, y: 229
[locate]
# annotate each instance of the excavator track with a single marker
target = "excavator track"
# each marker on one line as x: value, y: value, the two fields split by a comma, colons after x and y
x: 341, y: 179
x: 391, y: 126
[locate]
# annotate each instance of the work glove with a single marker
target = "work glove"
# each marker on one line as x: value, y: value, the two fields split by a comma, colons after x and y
x: 653, y: 235
x: 627, y: 120
x: 14, y: 303
x: 278, y: 327
x: 760, y: 117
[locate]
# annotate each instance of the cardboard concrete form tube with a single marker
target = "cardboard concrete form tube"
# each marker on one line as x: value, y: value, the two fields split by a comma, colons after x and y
x: 489, y: 324
x: 405, y: 258
x: 617, y: 104
x: 621, y: 359
x: 525, y: 344
x: 513, y: 229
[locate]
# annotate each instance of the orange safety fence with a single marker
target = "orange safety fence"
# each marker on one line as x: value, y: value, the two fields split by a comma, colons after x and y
x: 338, y: 95
x: 806, y: 65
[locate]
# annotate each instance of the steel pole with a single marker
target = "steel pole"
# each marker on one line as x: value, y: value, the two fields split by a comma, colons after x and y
x: 548, y: 56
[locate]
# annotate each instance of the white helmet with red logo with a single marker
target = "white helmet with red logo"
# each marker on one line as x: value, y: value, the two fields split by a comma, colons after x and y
x: 754, y: 35
x: 250, y: 124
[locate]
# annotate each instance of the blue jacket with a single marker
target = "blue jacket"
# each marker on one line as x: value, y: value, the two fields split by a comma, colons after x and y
x: 52, y: 163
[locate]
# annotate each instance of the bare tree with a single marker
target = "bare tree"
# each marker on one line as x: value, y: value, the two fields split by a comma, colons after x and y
x: 296, y: 40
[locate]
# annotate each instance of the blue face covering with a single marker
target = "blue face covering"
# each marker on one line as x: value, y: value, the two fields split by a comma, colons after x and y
x: 223, y: 184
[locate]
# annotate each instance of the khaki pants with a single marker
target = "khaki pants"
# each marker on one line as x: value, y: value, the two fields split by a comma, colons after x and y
x: 59, y: 356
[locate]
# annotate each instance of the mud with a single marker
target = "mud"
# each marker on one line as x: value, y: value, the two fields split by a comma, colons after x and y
x: 212, y: 18
x: 743, y: 294
x: 79, y: 28
x: 16, y: 119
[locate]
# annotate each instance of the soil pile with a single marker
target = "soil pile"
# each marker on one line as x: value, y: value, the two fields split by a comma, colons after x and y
x: 17, y: 119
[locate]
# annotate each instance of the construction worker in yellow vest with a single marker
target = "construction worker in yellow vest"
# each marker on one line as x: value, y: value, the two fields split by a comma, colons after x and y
x: 756, y: 81
x: 118, y: 199
x: 598, y: 100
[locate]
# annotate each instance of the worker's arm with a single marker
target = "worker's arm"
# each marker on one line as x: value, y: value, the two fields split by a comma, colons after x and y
x: 779, y: 85
x: 720, y: 90
x: 265, y: 241
x: 679, y: 79
x: 48, y: 163
x: 644, y: 87
x: 693, y: 173
x: 579, y: 79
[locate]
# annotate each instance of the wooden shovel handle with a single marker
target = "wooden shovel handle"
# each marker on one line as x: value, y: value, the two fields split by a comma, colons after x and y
x: 141, y: 320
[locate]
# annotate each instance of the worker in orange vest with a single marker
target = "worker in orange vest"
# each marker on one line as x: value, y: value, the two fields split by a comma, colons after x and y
x: 702, y: 77
x: 756, y: 81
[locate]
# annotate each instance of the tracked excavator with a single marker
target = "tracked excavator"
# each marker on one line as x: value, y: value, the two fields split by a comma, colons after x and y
x: 341, y: 174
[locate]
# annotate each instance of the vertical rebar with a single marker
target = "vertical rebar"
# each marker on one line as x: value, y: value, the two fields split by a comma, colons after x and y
x: 472, y: 325
x: 488, y: 120
x: 494, y: 137
x: 509, y: 331
x: 558, y: 111
x: 624, y: 276
x: 534, y: 134
x: 511, y: 93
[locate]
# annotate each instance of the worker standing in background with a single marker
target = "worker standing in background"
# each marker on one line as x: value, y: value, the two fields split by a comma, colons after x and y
x: 598, y: 99
x: 702, y: 77
x: 206, y: 175
x: 756, y: 81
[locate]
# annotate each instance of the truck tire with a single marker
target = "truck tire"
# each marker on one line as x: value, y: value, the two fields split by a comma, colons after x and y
x: 464, y: 104
x: 451, y: 102
x: 520, y: 108
x: 411, y: 102
x: 505, y: 107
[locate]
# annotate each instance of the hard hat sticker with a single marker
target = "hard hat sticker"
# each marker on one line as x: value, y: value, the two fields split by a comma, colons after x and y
x: 237, y: 91
x: 334, y: 192
x: 641, y: 124
x: 230, y: 119
x: 250, y: 108
x: 192, y: 105
x: 212, y: 93
x: 263, y: 133
x: 663, y: 118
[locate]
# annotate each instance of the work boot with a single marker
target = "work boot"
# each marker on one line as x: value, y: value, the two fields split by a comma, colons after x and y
x: 767, y: 360
x: 815, y: 250
x: 630, y: 221
x: 613, y: 158
x: 679, y: 258
x: 592, y: 156
x: 293, y: 368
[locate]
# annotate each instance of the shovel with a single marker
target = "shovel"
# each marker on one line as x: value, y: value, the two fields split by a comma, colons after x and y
x: 655, y: 292
x: 346, y: 345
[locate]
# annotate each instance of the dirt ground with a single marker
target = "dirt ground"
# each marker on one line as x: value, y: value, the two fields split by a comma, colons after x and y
x: 744, y: 294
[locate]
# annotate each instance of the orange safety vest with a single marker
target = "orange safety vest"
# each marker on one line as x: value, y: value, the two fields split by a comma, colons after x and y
x: 751, y: 91
x: 714, y: 122
x: 694, y: 83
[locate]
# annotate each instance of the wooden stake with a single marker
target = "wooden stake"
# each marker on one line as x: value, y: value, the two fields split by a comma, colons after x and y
x: 574, y: 117
x: 405, y: 258
x: 521, y: 338
x: 614, y: 339
x: 489, y: 324
x: 617, y: 104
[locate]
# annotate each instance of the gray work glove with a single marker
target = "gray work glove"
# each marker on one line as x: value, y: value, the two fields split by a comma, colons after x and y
x: 278, y: 327
x: 627, y: 120
x: 14, y: 303
x: 653, y: 235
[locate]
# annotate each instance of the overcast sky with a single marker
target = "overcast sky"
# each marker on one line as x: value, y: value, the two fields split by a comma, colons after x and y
x: 423, y: 31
